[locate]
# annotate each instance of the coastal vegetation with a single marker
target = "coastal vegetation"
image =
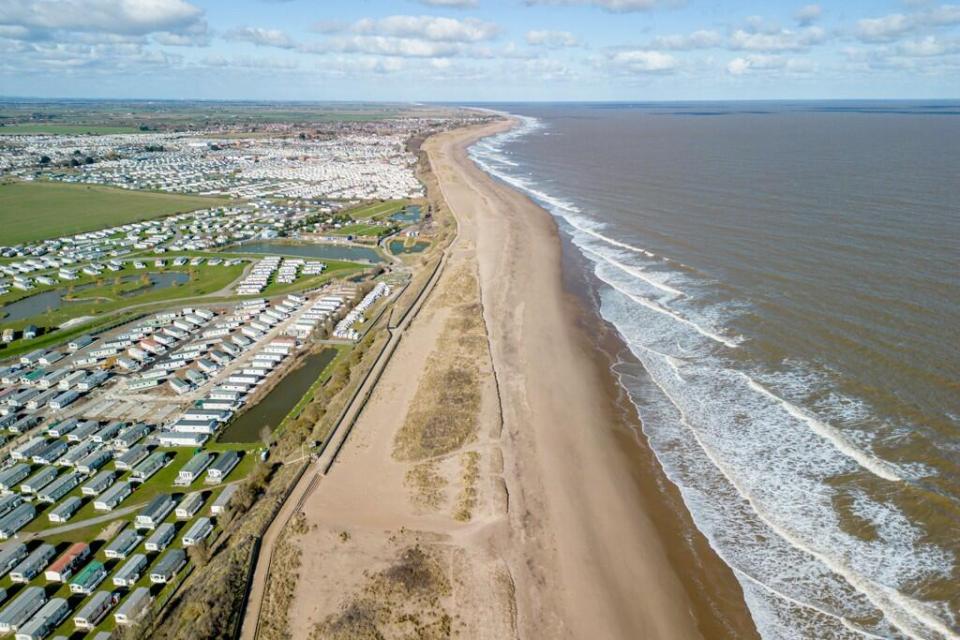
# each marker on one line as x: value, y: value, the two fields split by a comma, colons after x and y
x: 404, y: 600
x: 446, y: 407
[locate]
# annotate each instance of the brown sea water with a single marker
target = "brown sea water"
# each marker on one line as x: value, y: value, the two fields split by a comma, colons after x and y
x: 788, y: 276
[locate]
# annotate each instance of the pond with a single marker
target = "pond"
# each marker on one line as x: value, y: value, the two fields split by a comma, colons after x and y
x: 314, y: 251
x: 52, y: 300
x: 399, y: 246
x: 410, y: 214
x: 273, y: 408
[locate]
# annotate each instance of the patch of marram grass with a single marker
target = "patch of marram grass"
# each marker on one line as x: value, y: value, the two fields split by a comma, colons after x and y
x: 402, y: 601
x: 282, y: 581
x: 467, y: 498
x: 445, y: 411
x: 427, y: 484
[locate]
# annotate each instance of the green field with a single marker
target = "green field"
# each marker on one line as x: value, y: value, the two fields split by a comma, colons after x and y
x: 360, y: 229
x: 64, y: 129
x: 375, y: 209
x: 32, y: 211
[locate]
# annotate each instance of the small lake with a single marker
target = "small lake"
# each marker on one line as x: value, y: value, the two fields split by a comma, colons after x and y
x: 272, y: 409
x: 314, y: 251
x: 399, y: 246
x: 410, y: 214
x: 52, y: 300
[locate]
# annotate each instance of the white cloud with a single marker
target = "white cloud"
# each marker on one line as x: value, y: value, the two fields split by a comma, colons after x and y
x: 388, y: 46
x: 884, y: 29
x: 702, y: 39
x: 808, y: 14
x: 455, y: 4
x: 770, y: 40
x: 896, y: 26
x: 433, y: 28
x: 126, y: 17
x: 613, y: 6
x: 551, y: 39
x: 244, y: 62
x: 643, y: 61
x: 760, y: 62
x: 261, y: 37
x: 928, y: 46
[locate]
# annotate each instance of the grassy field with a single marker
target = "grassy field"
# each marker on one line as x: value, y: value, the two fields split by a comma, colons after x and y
x: 63, y: 129
x: 375, y: 209
x: 39, y: 210
x: 360, y: 230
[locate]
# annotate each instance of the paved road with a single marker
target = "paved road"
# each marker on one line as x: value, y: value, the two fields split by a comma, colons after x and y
x: 82, y: 524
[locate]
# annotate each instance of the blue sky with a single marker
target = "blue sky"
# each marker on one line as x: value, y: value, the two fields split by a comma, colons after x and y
x: 471, y: 50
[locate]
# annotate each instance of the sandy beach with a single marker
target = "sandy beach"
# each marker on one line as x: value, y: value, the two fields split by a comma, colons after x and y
x: 595, y: 566
x: 562, y: 535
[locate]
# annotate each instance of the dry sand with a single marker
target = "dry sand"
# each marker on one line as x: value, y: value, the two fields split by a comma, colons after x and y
x: 559, y: 543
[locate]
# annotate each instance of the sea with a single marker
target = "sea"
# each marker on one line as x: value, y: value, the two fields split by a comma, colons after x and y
x: 786, y: 277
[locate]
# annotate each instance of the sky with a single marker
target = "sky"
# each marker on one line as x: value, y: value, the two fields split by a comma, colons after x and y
x: 479, y: 50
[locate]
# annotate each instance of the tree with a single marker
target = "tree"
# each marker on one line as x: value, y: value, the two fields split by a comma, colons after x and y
x: 44, y: 160
x: 266, y: 435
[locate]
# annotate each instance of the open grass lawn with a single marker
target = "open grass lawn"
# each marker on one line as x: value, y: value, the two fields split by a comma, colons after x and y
x: 39, y: 210
x: 360, y: 230
x: 375, y: 209
x: 30, y: 128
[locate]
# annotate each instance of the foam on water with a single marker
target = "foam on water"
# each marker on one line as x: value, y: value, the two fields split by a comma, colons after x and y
x: 751, y: 462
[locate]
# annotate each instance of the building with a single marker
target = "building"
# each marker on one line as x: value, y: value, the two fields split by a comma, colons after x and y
x: 93, y: 611
x: 99, y: 483
x: 65, y: 566
x: 65, y: 510
x: 125, y: 542
x: 189, y: 506
x: 155, y: 512
x: 17, y: 519
x: 133, y: 607
x: 34, y: 563
x: 161, y: 538
x: 144, y: 470
x: 222, y: 466
x: 131, y: 571
x: 194, y: 468
x: 48, y: 618
x: 177, y: 439
x: 89, y: 578
x: 167, y: 566
x: 197, y: 532
x: 59, y: 487
x: 109, y: 499
x: 129, y: 458
x: 11, y: 557
x: 21, y: 608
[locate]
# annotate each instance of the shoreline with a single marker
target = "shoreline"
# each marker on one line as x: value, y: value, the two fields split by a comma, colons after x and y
x: 697, y: 594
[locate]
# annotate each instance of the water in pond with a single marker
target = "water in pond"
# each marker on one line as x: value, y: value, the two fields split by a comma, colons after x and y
x: 399, y: 246
x: 410, y: 213
x: 157, y: 281
x: 315, y: 251
x: 52, y: 300
x: 278, y: 403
